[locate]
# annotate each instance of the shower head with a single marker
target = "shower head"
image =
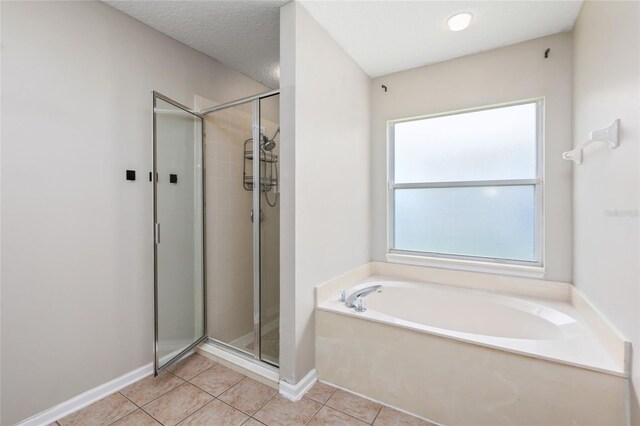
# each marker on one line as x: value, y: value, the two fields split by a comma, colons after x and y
x: 269, y: 144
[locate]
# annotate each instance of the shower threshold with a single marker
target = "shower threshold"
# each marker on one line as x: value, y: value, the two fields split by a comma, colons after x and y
x: 241, y: 362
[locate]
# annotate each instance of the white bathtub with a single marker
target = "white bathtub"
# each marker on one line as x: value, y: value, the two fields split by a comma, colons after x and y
x: 544, y: 329
x: 467, y: 312
x: 511, y: 353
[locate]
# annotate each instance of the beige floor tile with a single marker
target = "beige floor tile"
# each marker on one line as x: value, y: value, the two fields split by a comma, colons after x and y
x: 252, y: 422
x: 282, y: 412
x: 177, y: 404
x: 148, y: 389
x: 217, y: 379
x: 248, y: 396
x: 216, y: 413
x: 105, y: 411
x: 191, y: 366
x: 137, y: 418
x: 390, y: 417
x: 354, y: 405
x: 330, y: 417
x: 321, y: 392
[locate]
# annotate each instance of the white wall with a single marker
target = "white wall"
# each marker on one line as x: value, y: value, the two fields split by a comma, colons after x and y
x: 506, y: 74
x: 606, y: 199
x: 325, y: 110
x: 77, y: 292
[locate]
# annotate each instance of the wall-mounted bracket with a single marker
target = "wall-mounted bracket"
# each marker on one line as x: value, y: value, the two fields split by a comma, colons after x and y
x: 608, y: 136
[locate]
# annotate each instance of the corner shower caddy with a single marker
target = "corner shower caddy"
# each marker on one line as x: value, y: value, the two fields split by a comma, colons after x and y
x: 268, y: 168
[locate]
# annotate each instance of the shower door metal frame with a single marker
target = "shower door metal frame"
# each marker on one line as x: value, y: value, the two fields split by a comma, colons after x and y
x: 157, y: 368
x: 256, y: 226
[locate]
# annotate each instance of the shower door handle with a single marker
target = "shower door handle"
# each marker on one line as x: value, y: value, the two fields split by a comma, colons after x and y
x: 261, y: 215
x: 156, y: 233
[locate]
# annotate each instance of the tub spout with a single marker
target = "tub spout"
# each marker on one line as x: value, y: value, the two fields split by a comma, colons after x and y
x: 361, y: 293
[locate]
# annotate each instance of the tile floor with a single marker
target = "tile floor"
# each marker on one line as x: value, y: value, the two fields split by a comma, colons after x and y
x: 198, y: 391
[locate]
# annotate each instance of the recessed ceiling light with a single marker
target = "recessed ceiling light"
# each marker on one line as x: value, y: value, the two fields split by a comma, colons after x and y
x: 459, y: 21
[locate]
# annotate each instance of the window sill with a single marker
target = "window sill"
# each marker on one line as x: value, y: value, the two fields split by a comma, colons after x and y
x: 467, y: 265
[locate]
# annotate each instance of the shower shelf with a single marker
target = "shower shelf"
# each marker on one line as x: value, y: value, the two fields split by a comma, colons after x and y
x: 268, y: 169
x: 265, y: 157
x: 265, y: 183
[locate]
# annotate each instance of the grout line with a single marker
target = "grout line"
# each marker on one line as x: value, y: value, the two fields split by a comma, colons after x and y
x: 195, y: 411
x: 263, y: 405
x: 216, y: 396
x: 332, y: 393
x: 314, y: 414
x: 350, y: 415
x: 170, y: 372
x: 160, y: 396
x: 247, y: 414
x: 377, y: 414
x: 150, y: 415
x: 199, y: 374
x: 173, y: 388
x: 189, y: 380
x: 129, y: 399
x: 239, y: 381
x: 122, y: 417
x: 200, y: 389
x: 322, y: 404
x: 240, y: 411
x: 383, y: 404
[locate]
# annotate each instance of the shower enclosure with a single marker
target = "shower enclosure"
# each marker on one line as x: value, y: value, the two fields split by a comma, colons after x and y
x: 216, y: 234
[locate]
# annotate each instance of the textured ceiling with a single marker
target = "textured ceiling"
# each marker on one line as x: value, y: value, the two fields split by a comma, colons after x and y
x: 242, y: 34
x: 389, y: 36
x: 382, y: 36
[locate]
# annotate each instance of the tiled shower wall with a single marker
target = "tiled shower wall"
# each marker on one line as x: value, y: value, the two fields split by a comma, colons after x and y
x: 229, y: 233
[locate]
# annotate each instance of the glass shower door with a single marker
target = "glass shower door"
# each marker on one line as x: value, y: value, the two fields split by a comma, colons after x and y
x: 230, y: 278
x: 178, y: 230
x: 243, y: 150
x: 270, y: 229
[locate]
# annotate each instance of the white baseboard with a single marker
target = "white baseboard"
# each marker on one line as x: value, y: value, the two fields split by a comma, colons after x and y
x: 92, y: 395
x: 296, y: 392
x: 89, y: 397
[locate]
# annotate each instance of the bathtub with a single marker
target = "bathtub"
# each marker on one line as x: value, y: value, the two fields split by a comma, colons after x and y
x: 456, y: 355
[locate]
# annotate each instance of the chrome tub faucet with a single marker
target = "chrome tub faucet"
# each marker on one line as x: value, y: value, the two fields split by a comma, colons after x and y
x: 356, y: 299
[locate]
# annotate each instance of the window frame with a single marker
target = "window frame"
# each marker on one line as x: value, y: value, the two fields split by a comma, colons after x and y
x: 468, y: 262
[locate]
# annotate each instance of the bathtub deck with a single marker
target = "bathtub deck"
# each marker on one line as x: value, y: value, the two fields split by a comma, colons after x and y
x: 580, y: 347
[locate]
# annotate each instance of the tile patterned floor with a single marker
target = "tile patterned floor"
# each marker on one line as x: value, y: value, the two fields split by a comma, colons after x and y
x: 198, y: 391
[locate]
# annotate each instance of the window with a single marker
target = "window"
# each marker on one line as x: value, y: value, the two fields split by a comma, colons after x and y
x: 468, y: 185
